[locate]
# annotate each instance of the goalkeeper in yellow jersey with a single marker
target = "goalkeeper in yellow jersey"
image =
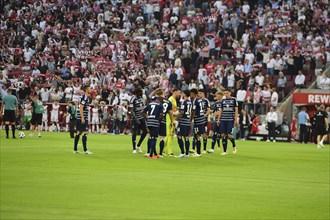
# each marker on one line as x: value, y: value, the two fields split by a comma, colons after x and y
x: 170, y: 129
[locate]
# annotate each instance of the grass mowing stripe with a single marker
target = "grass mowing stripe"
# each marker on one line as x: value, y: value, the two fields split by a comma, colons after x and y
x: 42, y: 179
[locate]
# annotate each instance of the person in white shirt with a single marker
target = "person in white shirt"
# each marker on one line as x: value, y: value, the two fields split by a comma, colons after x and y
x: 260, y: 79
x: 300, y: 79
x: 45, y: 94
x: 324, y: 82
x: 179, y: 72
x: 67, y: 120
x: 231, y: 79
x: 54, y: 116
x: 192, y: 85
x: 278, y: 64
x: 76, y: 91
x: 240, y: 96
x: 35, y: 72
x: 249, y: 56
x: 123, y: 96
x: 271, y: 65
x: 27, y: 113
x: 45, y: 118
x: 205, y: 80
x: 95, y: 119
x: 265, y: 95
x: 271, y: 119
x: 201, y: 71
x: 274, y: 98
x: 68, y: 93
x: 246, y: 8
x: 239, y: 67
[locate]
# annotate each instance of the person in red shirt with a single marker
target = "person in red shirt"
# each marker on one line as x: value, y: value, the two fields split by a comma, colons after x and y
x: 255, y: 124
x: 293, y: 127
x: 209, y: 67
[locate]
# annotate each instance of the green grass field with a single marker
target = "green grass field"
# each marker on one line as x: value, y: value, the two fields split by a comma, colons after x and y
x: 42, y: 179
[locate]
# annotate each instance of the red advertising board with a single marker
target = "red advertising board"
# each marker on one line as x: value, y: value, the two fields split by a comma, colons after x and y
x: 311, y: 98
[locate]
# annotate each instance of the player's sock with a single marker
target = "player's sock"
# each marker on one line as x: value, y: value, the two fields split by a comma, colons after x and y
x: 143, y: 135
x: 204, y: 143
x: 232, y: 140
x: 84, y: 141
x: 169, y: 144
x: 214, y: 139
x: 150, y: 151
x: 224, y: 144
x: 180, y: 141
x: 149, y: 146
x: 13, y: 127
x: 154, y: 142
x: 97, y: 128
x: 187, y: 145
x: 161, y: 147
x: 194, y: 144
x: 218, y: 140
x: 76, y: 140
x: 198, y: 146
x: 134, y: 141
x: 58, y: 127
x: 7, y: 130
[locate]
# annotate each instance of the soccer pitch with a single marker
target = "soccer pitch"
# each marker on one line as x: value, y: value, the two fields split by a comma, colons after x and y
x: 43, y: 179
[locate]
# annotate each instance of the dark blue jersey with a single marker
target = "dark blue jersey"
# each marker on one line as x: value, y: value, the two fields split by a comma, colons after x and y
x: 137, y: 106
x: 228, y: 109
x: 84, y: 102
x: 206, y: 105
x: 197, y: 107
x: 185, y: 107
x: 154, y: 111
x: 167, y: 107
x: 216, y: 108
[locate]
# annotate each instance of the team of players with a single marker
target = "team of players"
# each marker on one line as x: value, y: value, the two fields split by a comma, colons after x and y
x: 158, y: 119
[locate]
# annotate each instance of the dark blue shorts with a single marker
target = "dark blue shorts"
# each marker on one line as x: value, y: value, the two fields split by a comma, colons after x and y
x: 206, y: 128
x: 82, y: 127
x: 215, y: 128
x: 199, y: 129
x: 153, y: 131
x: 226, y: 127
x: 162, y: 129
x: 136, y: 127
x: 183, y: 130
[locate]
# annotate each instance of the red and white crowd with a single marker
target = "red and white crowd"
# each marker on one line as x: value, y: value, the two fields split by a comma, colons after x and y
x: 261, y: 49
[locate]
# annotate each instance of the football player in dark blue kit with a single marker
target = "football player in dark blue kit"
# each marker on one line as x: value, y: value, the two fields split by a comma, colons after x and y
x: 82, y: 121
x: 167, y: 109
x: 207, y: 111
x: 228, y: 116
x: 197, y: 115
x: 216, y: 127
x: 138, y: 123
x: 184, y: 125
x: 153, y: 113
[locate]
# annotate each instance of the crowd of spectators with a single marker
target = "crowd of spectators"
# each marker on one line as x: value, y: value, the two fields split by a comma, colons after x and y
x: 52, y: 48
